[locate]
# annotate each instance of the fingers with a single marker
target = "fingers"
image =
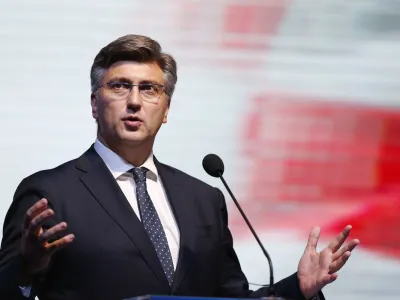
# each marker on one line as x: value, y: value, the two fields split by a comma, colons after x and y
x: 339, y: 263
x: 52, y: 232
x: 339, y: 240
x: 347, y: 247
x: 36, y: 224
x: 38, y: 238
x: 33, y: 211
x: 329, y: 278
x: 60, y: 243
x: 313, y: 238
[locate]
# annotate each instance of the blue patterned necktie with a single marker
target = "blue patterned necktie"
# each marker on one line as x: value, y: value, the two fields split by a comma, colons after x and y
x: 152, y: 223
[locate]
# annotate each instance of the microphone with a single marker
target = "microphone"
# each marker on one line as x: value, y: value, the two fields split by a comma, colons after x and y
x: 214, y: 166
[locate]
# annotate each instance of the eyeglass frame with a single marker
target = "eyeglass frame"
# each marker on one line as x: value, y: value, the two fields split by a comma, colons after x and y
x: 132, y: 85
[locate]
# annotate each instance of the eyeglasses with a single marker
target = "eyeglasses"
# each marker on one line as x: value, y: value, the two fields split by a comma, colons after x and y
x: 149, y: 92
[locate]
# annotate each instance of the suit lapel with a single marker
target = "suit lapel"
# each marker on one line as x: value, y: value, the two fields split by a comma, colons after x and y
x: 103, y: 186
x: 179, y: 199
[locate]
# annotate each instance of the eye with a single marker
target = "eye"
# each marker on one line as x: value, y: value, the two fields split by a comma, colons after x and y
x: 119, y: 86
x: 150, y: 89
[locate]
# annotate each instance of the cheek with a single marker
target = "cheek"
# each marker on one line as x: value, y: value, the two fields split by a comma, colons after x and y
x: 110, y: 111
x: 157, y: 118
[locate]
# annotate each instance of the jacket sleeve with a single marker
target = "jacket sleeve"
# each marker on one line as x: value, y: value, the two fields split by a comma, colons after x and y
x: 25, y: 196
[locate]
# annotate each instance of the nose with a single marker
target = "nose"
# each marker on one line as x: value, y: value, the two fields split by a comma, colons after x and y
x: 134, y: 99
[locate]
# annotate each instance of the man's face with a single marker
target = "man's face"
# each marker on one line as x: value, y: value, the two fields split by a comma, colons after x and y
x: 130, y: 120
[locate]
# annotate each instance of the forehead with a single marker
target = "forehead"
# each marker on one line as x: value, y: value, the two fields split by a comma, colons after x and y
x: 135, y: 71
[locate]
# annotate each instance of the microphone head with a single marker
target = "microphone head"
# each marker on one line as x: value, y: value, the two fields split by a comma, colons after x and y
x: 213, y: 165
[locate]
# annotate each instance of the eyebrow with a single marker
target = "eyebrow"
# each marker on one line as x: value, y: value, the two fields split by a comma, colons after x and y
x: 127, y: 80
x: 120, y: 78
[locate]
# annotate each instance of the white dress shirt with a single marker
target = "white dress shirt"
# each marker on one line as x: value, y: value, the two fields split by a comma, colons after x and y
x: 119, y: 167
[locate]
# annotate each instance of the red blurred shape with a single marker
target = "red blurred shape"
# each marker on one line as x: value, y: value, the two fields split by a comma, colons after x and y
x: 316, y: 161
x: 251, y: 25
x: 312, y: 149
x: 377, y: 226
x: 388, y: 170
x: 229, y: 34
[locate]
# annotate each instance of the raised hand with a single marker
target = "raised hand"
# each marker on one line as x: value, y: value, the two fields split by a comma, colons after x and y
x: 36, y: 250
x: 316, y: 270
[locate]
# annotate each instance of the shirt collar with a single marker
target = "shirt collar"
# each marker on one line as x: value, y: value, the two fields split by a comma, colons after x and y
x: 118, y: 166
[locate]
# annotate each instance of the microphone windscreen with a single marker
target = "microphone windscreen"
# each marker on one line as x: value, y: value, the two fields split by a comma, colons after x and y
x: 213, y: 165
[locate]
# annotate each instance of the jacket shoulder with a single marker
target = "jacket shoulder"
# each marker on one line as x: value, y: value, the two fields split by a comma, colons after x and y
x: 190, y: 180
x: 46, y: 177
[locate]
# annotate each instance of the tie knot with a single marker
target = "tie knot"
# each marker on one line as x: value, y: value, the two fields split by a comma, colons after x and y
x: 139, y: 174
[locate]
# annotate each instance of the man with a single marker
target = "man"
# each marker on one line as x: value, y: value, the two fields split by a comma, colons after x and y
x: 116, y: 223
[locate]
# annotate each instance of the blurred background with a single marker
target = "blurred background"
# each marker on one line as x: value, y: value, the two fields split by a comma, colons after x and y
x: 300, y: 98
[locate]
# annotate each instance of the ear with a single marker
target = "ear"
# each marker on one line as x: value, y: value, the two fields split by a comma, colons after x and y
x: 93, y: 103
x: 166, y: 112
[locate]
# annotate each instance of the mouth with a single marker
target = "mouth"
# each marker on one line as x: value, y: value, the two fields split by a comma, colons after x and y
x: 132, y: 121
x: 132, y: 118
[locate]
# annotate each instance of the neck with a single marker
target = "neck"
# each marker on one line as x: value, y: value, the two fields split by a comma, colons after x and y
x: 136, y: 155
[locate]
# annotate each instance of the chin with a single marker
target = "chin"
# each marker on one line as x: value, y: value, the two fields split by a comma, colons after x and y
x: 134, y: 138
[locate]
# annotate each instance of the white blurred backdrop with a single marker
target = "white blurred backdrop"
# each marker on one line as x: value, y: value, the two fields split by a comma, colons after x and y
x: 238, y: 62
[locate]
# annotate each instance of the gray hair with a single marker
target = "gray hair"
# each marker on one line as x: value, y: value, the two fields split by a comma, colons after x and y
x: 136, y: 48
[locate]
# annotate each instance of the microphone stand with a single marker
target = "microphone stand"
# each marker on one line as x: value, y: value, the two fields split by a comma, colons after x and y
x: 270, y: 288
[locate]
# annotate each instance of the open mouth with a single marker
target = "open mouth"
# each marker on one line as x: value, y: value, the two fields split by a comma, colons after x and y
x: 132, y: 121
x: 132, y: 118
